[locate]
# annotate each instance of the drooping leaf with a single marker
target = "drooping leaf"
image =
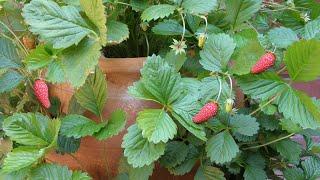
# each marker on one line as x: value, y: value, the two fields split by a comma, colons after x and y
x: 239, y: 11
x: 244, y: 124
x: 95, y: 10
x: 209, y: 172
x: 93, y: 94
x: 9, y: 80
x: 170, y: 28
x: 290, y: 150
x: 117, y: 32
x: 187, y: 165
x: 8, y: 54
x: 311, y: 167
x: 31, y: 129
x: 282, y: 37
x: 138, y: 150
x: 157, y: 11
x: 222, y: 148
x: 261, y: 86
x: 302, y: 60
x: 183, y: 111
x: 61, y: 26
x: 78, y: 126
x: 21, y: 158
x: 217, y: 52
x: 199, y: 6
x: 115, y: 125
x: 75, y: 63
x: 38, y: 58
x: 293, y: 174
x: 304, y: 112
x: 156, y: 125
x: 175, y: 153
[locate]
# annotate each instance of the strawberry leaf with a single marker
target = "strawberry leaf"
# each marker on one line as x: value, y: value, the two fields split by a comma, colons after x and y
x: 302, y: 60
x: 289, y: 150
x: 157, y: 11
x: 217, y: 52
x: 282, y: 37
x: 222, y: 148
x: 156, y: 125
x: 199, y: 6
x: 138, y: 150
x: 311, y: 168
x: 117, y: 32
x: 170, y: 28
x: 244, y: 124
x: 175, y: 153
x: 8, y: 54
x: 10, y: 80
x: 61, y: 26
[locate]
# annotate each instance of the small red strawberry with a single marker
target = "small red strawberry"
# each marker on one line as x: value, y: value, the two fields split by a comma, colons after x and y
x: 41, y: 91
x: 208, y: 111
x: 264, y: 63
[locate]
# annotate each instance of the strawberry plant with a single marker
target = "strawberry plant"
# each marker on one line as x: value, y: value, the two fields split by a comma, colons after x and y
x: 219, y: 48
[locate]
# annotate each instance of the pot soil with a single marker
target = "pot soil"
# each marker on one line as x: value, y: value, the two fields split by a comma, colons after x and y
x: 101, y: 158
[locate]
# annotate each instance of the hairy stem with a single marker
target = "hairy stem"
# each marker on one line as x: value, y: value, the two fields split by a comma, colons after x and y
x: 271, y: 142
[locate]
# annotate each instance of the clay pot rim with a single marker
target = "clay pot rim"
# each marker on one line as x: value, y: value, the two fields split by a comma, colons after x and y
x: 121, y: 65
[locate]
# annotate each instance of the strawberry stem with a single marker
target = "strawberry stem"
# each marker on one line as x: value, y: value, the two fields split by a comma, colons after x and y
x: 220, y: 89
x: 271, y: 142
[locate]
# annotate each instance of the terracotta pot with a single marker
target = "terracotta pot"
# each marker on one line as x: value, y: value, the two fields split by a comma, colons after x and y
x: 95, y: 156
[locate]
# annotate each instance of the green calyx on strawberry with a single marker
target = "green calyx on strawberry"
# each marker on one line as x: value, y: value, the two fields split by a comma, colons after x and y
x: 41, y: 91
x: 207, y: 112
x: 265, y: 62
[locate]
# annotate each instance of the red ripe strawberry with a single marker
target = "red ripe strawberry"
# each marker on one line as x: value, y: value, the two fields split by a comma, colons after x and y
x: 264, y: 63
x: 208, y: 111
x: 41, y: 91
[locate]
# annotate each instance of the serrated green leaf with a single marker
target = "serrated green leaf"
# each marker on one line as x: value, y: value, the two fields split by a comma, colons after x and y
x: 217, y: 52
x: 38, y: 58
x: 289, y: 150
x: 290, y: 126
x: 93, y: 94
x: 261, y: 86
x: 199, y: 6
x: 209, y: 173
x: 117, y: 32
x: 139, y: 5
x: 8, y: 54
x: 252, y: 173
x: 95, y: 9
x: 78, y: 175
x: 244, y: 124
x: 141, y: 173
x: 187, y: 165
x: 67, y: 145
x: 175, y: 153
x: 74, y: 107
x: 282, y: 37
x: 138, y: 150
x: 21, y: 158
x: 243, y: 138
x: 31, y: 129
x: 156, y: 125
x: 269, y: 109
x: 256, y: 160
x: 311, y: 168
x: 222, y: 148
x: 239, y: 11
x: 193, y: 21
x: 170, y: 28
x: 183, y: 111
x: 139, y: 91
x: 61, y: 26
x: 175, y: 60
x: 75, y: 63
x: 304, y: 112
x: 10, y: 80
x: 302, y: 60
x: 157, y: 11
x: 78, y: 126
x: 312, y: 30
x: 269, y: 123
x: 293, y: 174
x: 161, y: 80
x: 115, y: 125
